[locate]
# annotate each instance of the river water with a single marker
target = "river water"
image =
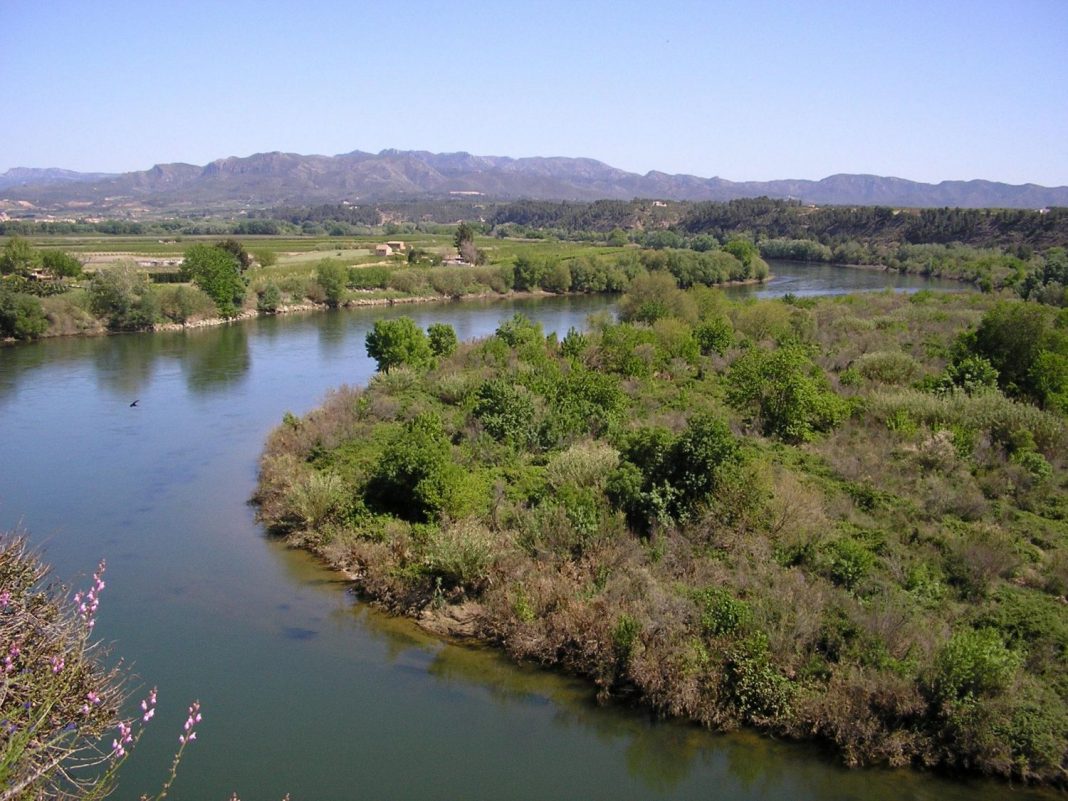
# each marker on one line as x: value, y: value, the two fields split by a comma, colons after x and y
x: 305, y: 690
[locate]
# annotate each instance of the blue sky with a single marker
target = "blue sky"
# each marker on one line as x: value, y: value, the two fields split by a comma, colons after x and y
x: 743, y: 90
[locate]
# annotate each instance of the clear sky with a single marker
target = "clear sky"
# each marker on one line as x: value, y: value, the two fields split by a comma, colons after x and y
x: 746, y: 90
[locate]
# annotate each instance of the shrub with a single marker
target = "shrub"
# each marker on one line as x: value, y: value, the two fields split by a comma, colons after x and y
x: 269, y: 298
x: 331, y: 276
x: 395, y: 342
x: 714, y: 335
x: 529, y: 273
x: 1027, y: 344
x: 653, y: 296
x: 460, y: 554
x: 123, y: 297
x: 586, y: 464
x: 368, y: 277
x: 970, y: 375
x: 181, y: 303
x: 60, y: 264
x: 58, y: 700
x: 848, y: 562
x: 888, y: 367
x: 667, y: 478
x: 974, y: 662
x: 759, y: 691
x: 506, y: 411
x: 721, y: 613
x: 442, y: 338
x: 625, y: 636
x: 557, y: 279
x: 783, y: 393
x: 21, y: 316
x: 217, y: 271
x: 415, y: 476
x: 519, y: 332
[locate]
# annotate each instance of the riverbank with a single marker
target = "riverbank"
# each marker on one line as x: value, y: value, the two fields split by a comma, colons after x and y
x: 825, y: 577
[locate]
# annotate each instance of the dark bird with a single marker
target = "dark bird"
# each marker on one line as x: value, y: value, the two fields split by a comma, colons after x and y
x: 136, y: 402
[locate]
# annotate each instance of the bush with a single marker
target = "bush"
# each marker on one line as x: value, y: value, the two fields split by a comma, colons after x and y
x: 217, y: 270
x: 715, y: 335
x: 442, y: 337
x: 397, y: 342
x: 58, y: 700
x: 415, y: 476
x: 331, y: 276
x: 368, y: 277
x: 506, y: 412
x: 528, y: 273
x: 721, y: 613
x: 783, y: 393
x: 269, y: 298
x: 21, y: 316
x: 181, y: 303
x: 460, y: 554
x: 666, y: 478
x: 123, y: 297
x: 653, y: 296
x: 557, y: 279
x: 888, y: 367
x: 60, y: 264
x: 1028, y: 346
x: 974, y: 662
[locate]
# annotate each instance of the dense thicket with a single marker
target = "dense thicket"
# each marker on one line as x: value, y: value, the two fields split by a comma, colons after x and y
x: 840, y: 519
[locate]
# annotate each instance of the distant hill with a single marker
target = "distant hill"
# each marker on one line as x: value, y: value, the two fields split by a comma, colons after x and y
x: 36, y: 177
x: 265, y: 180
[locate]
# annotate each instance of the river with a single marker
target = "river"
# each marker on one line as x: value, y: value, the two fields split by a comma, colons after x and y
x: 305, y: 690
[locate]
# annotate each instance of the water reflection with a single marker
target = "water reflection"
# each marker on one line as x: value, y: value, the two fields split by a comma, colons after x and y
x: 125, y: 362
x: 216, y: 361
x: 333, y: 332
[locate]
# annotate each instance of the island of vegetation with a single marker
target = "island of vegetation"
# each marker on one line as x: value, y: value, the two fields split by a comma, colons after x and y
x: 842, y: 519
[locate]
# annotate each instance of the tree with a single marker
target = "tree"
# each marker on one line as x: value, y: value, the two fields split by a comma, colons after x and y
x: 60, y: 264
x: 443, y: 340
x: 217, y: 271
x: 234, y: 247
x: 18, y: 257
x: 21, y: 316
x: 415, y: 478
x: 123, y: 297
x: 784, y: 392
x: 1028, y: 346
x: 396, y: 342
x: 465, y: 234
x: 332, y: 277
x: 528, y: 273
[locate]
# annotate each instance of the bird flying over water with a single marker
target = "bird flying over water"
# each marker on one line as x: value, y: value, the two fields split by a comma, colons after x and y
x: 136, y: 402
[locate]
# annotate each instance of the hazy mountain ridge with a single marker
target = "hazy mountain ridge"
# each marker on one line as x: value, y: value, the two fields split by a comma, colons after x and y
x: 269, y: 179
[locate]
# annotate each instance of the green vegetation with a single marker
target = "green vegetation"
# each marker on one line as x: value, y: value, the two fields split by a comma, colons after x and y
x: 326, y: 256
x: 217, y: 270
x: 838, y: 519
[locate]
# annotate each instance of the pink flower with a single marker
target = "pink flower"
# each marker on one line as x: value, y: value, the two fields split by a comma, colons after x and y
x: 57, y: 663
x: 148, y: 706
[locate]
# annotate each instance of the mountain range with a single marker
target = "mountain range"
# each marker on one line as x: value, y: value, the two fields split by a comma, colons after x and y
x: 266, y: 180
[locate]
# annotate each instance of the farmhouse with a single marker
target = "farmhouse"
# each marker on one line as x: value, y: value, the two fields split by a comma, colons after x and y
x: 383, y: 250
x: 397, y: 245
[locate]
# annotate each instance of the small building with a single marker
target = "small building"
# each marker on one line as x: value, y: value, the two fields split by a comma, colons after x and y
x: 383, y: 250
x: 397, y: 245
